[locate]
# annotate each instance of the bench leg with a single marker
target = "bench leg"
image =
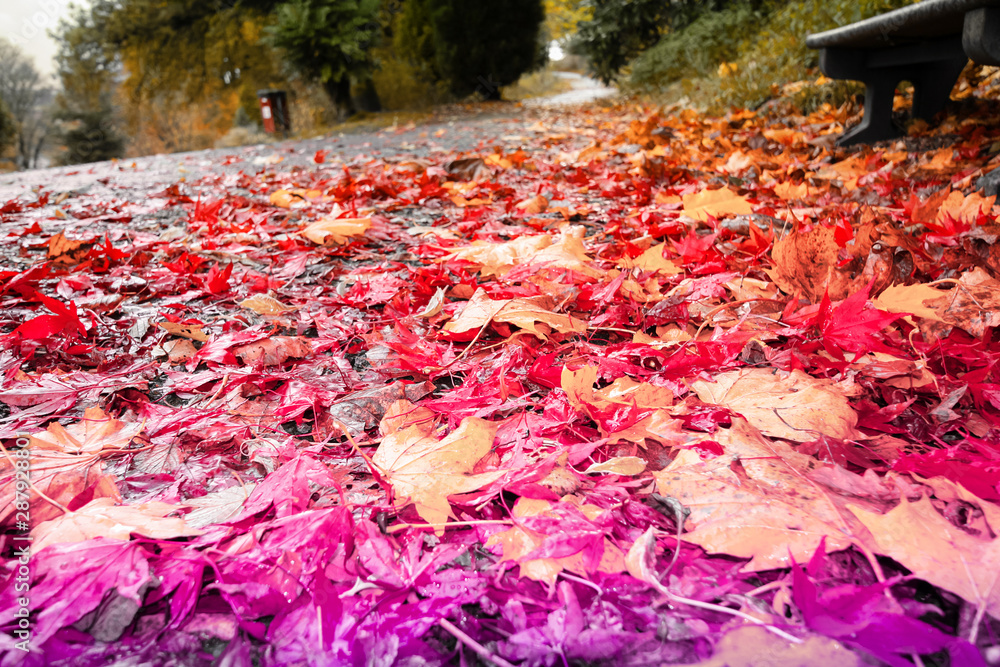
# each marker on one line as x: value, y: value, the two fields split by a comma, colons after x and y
x: 932, y: 84
x: 876, y: 124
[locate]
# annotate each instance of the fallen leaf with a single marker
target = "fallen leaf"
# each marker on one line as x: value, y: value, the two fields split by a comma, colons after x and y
x: 652, y: 260
x: 273, y: 351
x: 715, y: 203
x: 192, y: 331
x: 534, y: 206
x: 620, y: 465
x: 755, y: 501
x: 973, y: 304
x: 96, y: 433
x: 336, y: 231
x: 755, y: 646
x: 265, y: 304
x: 101, y: 517
x: 926, y: 543
x: 217, y: 506
x: 528, y: 313
x: 519, y: 542
x: 794, y: 406
x: 295, y: 198
x: 424, y: 470
x: 805, y: 261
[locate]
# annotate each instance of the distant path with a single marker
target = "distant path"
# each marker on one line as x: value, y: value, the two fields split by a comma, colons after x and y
x: 584, y: 90
x: 448, y: 132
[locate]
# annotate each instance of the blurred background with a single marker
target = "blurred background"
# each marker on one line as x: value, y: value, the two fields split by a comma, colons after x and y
x: 118, y: 78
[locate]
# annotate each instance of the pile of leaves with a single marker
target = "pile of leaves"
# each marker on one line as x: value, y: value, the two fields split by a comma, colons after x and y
x: 618, y: 387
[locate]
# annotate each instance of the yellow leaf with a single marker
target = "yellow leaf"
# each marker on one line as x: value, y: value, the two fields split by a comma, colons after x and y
x: 755, y: 501
x: 923, y: 541
x: 755, y: 646
x: 102, y: 518
x: 332, y: 231
x: 566, y: 252
x: 620, y: 465
x: 527, y: 313
x: 424, y: 470
x: 651, y: 260
x: 794, y: 406
x: 533, y: 206
x: 909, y: 299
x: 296, y: 198
x: 95, y: 433
x: 715, y: 203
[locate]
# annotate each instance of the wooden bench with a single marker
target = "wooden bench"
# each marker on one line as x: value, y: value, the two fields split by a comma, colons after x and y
x: 927, y: 44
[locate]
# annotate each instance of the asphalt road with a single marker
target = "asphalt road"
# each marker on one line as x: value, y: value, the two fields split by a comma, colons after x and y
x: 454, y: 130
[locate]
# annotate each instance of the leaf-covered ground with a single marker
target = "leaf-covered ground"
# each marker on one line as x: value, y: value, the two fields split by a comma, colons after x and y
x: 609, y: 387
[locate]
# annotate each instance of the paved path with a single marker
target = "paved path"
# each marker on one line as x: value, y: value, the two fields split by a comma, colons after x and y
x: 502, y: 124
x: 584, y: 90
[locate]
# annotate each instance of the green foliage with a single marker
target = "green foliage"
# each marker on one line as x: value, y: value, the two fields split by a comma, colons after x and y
x: 619, y: 30
x: 90, y: 137
x: 695, y: 50
x: 473, y: 47
x: 328, y: 41
x: 778, y: 52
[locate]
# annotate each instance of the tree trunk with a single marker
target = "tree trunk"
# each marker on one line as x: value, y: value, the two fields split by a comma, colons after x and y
x: 339, y: 92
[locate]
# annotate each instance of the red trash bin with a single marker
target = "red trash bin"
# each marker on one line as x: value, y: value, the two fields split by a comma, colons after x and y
x: 274, y: 111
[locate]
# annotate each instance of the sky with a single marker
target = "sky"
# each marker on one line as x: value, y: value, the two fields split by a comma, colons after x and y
x: 27, y: 23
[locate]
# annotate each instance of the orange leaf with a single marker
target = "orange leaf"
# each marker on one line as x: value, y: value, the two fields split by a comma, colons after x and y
x: 336, y: 231
x: 529, y: 313
x: 923, y: 541
x: 715, y: 203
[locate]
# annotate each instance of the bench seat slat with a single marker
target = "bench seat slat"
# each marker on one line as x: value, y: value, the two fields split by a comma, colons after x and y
x: 927, y: 19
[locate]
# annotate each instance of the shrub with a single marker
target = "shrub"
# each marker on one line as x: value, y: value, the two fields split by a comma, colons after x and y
x: 695, y: 50
x: 778, y: 52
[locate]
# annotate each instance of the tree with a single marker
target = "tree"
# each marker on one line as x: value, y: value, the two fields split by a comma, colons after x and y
x: 619, y: 30
x: 25, y: 96
x: 8, y: 129
x: 87, y: 69
x: 477, y: 46
x: 563, y: 16
x: 328, y: 41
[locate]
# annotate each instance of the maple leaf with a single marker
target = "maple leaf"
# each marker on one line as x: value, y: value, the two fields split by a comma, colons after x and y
x: 336, y: 231
x: 715, y: 203
x: 794, y: 405
x: 651, y: 259
x: 102, y: 518
x: 265, y: 304
x: 542, y: 556
x: 64, y: 321
x: 926, y: 543
x: 424, y: 470
x: 805, y: 261
x: 756, y: 502
x: 529, y: 313
x: 273, y: 351
x: 852, y: 325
